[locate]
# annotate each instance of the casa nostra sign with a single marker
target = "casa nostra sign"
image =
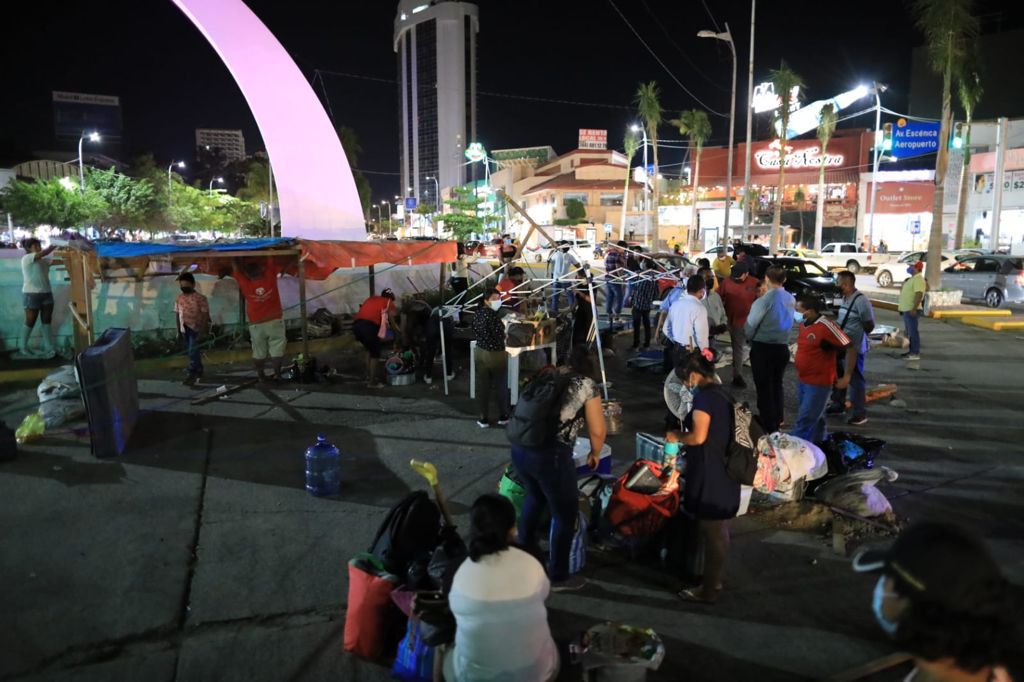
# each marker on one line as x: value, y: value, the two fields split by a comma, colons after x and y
x: 809, y: 157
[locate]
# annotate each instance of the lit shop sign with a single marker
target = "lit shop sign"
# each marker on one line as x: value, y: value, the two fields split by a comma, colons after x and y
x: 765, y: 98
x: 809, y: 157
x: 593, y: 138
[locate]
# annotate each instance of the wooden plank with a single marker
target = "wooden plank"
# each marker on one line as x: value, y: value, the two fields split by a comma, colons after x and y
x: 884, y: 305
x: 216, y: 393
x: 871, y: 668
x: 302, y: 308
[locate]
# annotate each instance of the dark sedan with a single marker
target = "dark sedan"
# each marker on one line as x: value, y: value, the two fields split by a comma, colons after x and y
x: 803, y: 275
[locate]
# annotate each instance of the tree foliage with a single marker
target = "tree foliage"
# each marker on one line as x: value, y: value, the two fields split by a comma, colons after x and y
x: 57, y: 203
x: 465, y: 218
x: 784, y: 79
x: 648, y: 106
x: 350, y: 143
x: 575, y: 210
x: 129, y: 202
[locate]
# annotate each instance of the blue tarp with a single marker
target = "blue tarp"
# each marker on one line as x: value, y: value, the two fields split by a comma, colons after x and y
x: 142, y: 249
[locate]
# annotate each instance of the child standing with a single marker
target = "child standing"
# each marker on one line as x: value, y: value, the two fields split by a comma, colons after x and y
x: 192, y: 311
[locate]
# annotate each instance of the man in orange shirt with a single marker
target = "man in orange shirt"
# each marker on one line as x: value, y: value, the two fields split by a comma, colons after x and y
x: 820, y: 341
x: 505, y: 287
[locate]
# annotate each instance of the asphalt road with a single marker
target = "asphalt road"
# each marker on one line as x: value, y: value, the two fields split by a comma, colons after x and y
x: 198, y: 555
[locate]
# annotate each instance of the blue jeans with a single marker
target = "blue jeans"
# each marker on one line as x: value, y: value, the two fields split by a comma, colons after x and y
x: 192, y: 346
x: 810, y: 417
x: 557, y: 288
x: 910, y: 323
x: 858, y: 388
x: 549, y: 477
x: 613, y: 298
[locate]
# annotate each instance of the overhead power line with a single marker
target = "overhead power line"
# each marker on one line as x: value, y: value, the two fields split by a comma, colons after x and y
x: 685, y: 56
x: 663, y: 66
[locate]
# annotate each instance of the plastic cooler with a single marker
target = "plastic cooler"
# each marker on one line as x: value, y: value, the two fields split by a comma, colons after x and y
x: 579, y: 455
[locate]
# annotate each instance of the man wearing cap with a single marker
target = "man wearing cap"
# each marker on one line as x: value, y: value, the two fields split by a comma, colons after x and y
x: 738, y: 292
x: 942, y: 598
x: 911, y: 297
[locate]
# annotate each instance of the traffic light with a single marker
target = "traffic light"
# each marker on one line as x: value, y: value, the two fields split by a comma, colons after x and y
x: 958, y: 136
x: 887, y: 137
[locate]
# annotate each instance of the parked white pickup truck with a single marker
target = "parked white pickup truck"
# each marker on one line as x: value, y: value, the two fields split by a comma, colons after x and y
x: 848, y: 256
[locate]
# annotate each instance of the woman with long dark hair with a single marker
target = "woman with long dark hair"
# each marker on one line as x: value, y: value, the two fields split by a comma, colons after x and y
x: 709, y: 495
x: 497, y: 598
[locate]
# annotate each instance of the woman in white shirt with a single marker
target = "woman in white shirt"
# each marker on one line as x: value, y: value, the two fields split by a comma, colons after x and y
x: 497, y: 598
x: 37, y: 298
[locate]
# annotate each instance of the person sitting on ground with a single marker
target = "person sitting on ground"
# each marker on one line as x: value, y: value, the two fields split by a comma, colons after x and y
x: 819, y: 344
x: 257, y: 280
x: 491, y: 360
x: 37, y: 298
x: 548, y: 473
x: 942, y: 598
x: 497, y: 598
x: 709, y: 494
x: 375, y: 312
x: 508, y: 298
x: 192, y: 313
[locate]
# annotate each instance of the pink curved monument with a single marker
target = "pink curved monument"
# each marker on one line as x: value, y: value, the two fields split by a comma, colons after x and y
x: 317, y: 193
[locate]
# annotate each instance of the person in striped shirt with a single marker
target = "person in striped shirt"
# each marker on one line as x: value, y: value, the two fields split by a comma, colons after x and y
x: 820, y: 341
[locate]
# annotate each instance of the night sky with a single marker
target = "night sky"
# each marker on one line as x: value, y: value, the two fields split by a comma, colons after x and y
x: 170, y: 80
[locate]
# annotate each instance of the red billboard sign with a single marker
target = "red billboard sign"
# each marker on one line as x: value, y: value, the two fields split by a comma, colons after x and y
x: 592, y: 138
x: 904, y: 197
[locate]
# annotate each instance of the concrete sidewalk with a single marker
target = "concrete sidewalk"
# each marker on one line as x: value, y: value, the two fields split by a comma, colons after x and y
x: 199, y: 555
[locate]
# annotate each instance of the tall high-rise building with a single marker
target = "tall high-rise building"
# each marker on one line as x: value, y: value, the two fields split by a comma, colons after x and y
x: 435, y: 41
x: 230, y: 142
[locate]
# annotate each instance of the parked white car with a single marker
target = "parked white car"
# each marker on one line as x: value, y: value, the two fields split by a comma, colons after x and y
x: 891, y: 274
x: 581, y: 249
x: 848, y: 256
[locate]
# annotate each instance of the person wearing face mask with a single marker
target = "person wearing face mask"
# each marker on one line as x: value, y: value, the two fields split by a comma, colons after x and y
x: 767, y: 329
x: 369, y: 318
x: 192, y: 316
x: 911, y: 296
x: 941, y: 597
x: 686, y: 326
x: 738, y: 294
x: 491, y: 360
x: 856, y: 318
x: 709, y: 494
x: 820, y: 342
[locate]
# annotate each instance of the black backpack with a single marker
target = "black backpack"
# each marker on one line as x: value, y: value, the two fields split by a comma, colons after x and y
x: 741, y: 452
x: 411, y: 528
x: 534, y: 421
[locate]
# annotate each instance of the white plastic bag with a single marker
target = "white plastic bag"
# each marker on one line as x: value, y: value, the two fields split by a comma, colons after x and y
x: 856, y: 492
x: 788, y: 460
x: 62, y: 383
x: 58, y: 412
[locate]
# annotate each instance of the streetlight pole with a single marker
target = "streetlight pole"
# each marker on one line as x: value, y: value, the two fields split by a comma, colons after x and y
x: 750, y: 121
x: 179, y: 164
x: 93, y: 137
x: 213, y: 180
x: 727, y: 36
x: 879, y: 88
x: 391, y: 226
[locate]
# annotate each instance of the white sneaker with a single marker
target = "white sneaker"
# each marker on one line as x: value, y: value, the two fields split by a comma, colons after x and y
x: 427, y: 380
x: 913, y: 357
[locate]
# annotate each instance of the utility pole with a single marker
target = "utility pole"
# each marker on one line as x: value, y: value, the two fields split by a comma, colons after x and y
x: 750, y: 121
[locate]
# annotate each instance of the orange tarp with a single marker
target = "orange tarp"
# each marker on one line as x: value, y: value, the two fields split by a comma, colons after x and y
x: 322, y: 258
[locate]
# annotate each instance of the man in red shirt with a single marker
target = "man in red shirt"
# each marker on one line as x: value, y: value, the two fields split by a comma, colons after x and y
x: 816, y: 349
x: 738, y: 293
x: 367, y: 328
x: 257, y: 280
x: 505, y: 287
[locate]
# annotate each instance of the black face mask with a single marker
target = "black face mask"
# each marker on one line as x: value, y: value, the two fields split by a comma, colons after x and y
x: 187, y: 290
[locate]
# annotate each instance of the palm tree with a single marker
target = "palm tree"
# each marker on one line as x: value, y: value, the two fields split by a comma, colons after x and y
x: 826, y: 127
x: 630, y: 144
x: 969, y: 91
x: 949, y: 28
x: 783, y: 80
x: 649, y: 108
x: 694, y: 123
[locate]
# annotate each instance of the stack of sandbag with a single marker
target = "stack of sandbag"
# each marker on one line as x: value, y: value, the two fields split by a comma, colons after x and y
x: 785, y: 463
x: 855, y: 492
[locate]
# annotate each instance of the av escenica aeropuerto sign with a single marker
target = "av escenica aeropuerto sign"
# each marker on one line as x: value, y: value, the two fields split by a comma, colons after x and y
x: 914, y: 138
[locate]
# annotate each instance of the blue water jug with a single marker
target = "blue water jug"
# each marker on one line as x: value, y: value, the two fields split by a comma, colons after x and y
x: 323, y: 468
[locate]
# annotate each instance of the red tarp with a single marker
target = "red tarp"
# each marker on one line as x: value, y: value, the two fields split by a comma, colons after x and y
x: 322, y: 258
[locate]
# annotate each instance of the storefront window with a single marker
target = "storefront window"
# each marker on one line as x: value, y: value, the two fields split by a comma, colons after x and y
x: 581, y: 197
x: 614, y: 199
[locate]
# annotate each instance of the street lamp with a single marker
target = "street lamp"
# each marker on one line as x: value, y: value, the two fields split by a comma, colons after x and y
x: 179, y: 164
x: 727, y: 37
x: 390, y: 213
x: 750, y: 120
x: 375, y: 206
x: 219, y: 181
x: 93, y: 137
x: 647, y: 201
x: 876, y: 88
x: 437, y: 193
